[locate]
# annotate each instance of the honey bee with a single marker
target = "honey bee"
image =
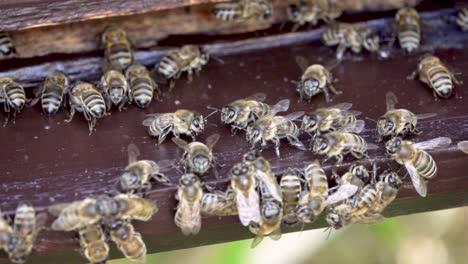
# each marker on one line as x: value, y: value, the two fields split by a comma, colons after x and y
x: 6, y: 232
x: 337, y: 117
x: 52, y: 92
x: 78, y: 214
x: 115, y: 89
x: 462, y: 19
x: 314, y: 80
x: 189, y: 58
x: 240, y: 113
x: 312, y: 200
x: 291, y: 189
x: 463, y: 146
x: 219, y: 203
x: 437, y: 76
x: 7, y: 48
x: 355, y: 37
x: 142, y: 86
x: 397, y: 122
x: 408, y: 26
x: 275, y: 128
x: 85, y: 98
x: 138, y: 173
x: 419, y: 164
x: 26, y: 227
x: 337, y: 144
x: 12, y: 95
x: 189, y: 195
x: 310, y: 12
x: 243, y: 10
x: 117, y: 49
x: 93, y: 243
x: 128, y: 241
x: 182, y: 121
x: 349, y: 183
x: 197, y: 157
x: 244, y: 184
x: 271, y: 212
x: 387, y: 190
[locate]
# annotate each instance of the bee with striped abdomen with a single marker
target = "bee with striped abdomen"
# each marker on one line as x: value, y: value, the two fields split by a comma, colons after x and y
x: 275, y: 128
x: 128, y: 241
x: 462, y: 19
x: 26, y: 227
x: 6, y: 232
x: 242, y: 112
x: 189, y: 195
x: 7, y: 48
x: 85, y: 98
x: 315, y: 79
x: 312, y: 201
x: 198, y: 157
x: 12, y: 95
x: 138, y: 174
x: 355, y: 37
x: 53, y: 92
x: 219, y: 203
x: 291, y: 189
x: 181, y: 122
x: 93, y: 242
x: 243, y: 10
x: 397, y: 122
x: 188, y: 59
x: 437, y: 76
x: 244, y: 185
x: 337, y: 117
x: 387, y: 190
x: 118, y: 51
x: 337, y: 144
x: 142, y: 86
x: 311, y: 12
x: 419, y: 164
x: 463, y: 146
x: 115, y: 89
x: 408, y: 27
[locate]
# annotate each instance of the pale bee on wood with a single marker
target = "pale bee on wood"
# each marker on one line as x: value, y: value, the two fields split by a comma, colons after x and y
x: 128, y: 241
x: 219, y: 203
x: 138, y: 174
x: 118, y: 51
x: 291, y: 188
x: 198, y: 157
x: 52, y: 92
x: 180, y: 122
x: 437, y: 76
x: 115, y: 89
x: 12, y: 96
x: 7, y: 47
x: 408, y: 26
x: 243, y: 10
x: 419, y: 164
x: 93, y: 243
x: 6, y: 232
x: 462, y: 19
x: 189, y: 195
x: 142, y: 88
x: 244, y: 184
x: 398, y: 122
x: 85, y: 98
x: 310, y: 12
x: 463, y: 146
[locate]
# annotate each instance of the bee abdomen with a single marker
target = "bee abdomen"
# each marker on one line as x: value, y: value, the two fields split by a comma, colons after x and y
x: 227, y: 11
x: 425, y: 165
x: 16, y: 96
x: 51, y: 100
x: 95, y: 104
x: 409, y: 38
x: 330, y: 37
x: 120, y: 56
x: 441, y: 80
x: 142, y: 92
x: 291, y: 187
x: 6, y: 44
x: 169, y: 66
x: 462, y: 19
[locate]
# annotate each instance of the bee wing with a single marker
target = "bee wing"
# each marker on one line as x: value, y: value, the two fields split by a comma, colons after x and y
x: 150, y: 118
x: 343, y: 106
x: 344, y: 192
x: 56, y: 209
x: 463, y: 146
x: 271, y: 184
x: 256, y: 241
x: 355, y: 127
x: 211, y: 140
x: 372, y: 219
x: 440, y: 142
x: 180, y: 143
x: 276, y: 234
x: 248, y: 207
x: 133, y: 153
x: 259, y: 97
x: 418, y: 182
x: 425, y: 116
x: 371, y: 146
x: 290, y: 117
x: 391, y: 100
x: 41, y: 221
x: 165, y: 165
x: 302, y: 62
x: 281, y: 106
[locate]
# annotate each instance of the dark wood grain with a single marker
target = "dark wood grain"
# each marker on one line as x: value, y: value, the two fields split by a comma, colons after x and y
x: 46, y: 161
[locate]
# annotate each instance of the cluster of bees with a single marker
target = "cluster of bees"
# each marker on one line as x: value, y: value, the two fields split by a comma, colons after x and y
x: 262, y: 203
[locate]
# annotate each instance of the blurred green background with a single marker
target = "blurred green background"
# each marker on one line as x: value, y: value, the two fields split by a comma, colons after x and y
x: 439, y: 237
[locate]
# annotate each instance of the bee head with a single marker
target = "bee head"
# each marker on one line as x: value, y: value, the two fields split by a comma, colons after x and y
x: 393, y: 145
x: 129, y: 179
x: 293, y: 12
x: 270, y: 211
x: 204, y: 56
x: 305, y: 214
x: 106, y: 206
x: 201, y: 163
x: 320, y: 145
x: 311, y: 86
x: 361, y: 172
x: 334, y: 220
x: 59, y: 78
x: 228, y: 115
x: 120, y: 229
x: 188, y: 179
x: 198, y: 123
x: 114, y: 35
x: 251, y: 156
x: 309, y: 123
x: 116, y: 94
x: 371, y: 42
x: 18, y: 257
x: 393, y: 180
x: 385, y: 126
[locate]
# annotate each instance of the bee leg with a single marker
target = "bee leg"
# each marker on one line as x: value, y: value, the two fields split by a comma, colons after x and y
x: 340, y: 51
x: 70, y: 116
x: 276, y: 141
x: 189, y: 75
x: 171, y: 84
x: 333, y: 89
x: 434, y: 93
x: 162, y: 137
x: 161, y: 178
x: 339, y: 159
x: 122, y: 104
x: 413, y: 75
x: 295, y: 27
x: 327, y: 96
x: 455, y: 80
x: 91, y: 124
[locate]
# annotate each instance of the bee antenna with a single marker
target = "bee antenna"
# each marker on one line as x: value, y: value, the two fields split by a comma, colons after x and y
x: 213, y: 108
x: 218, y: 59
x: 329, y: 229
x: 373, y: 120
x: 210, y: 114
x: 212, y: 124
